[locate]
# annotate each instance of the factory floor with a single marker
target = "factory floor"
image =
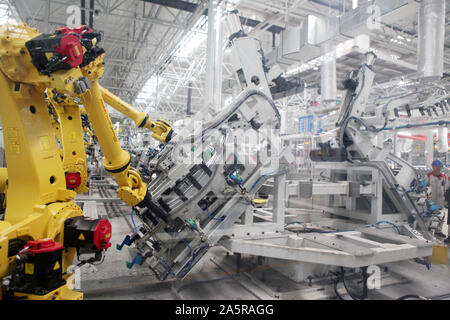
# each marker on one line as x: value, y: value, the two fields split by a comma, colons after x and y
x: 215, y: 276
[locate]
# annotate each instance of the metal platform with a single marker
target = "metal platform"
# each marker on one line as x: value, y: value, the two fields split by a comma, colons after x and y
x: 350, y: 249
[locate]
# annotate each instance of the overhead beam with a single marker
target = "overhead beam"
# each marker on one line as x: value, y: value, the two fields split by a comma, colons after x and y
x: 175, y: 4
x: 191, y: 7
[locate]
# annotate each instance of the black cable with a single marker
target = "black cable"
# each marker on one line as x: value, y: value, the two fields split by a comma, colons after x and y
x: 353, y: 296
x: 409, y: 296
x: 356, y: 297
x: 237, y: 105
x: 97, y: 264
x: 336, y: 281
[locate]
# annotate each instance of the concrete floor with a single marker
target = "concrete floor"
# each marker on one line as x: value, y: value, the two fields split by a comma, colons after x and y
x: 215, y: 277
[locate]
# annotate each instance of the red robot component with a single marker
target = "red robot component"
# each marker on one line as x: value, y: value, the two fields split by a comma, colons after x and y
x: 87, y: 235
x: 38, y: 268
x: 73, y: 180
x: 65, y: 49
x: 71, y: 49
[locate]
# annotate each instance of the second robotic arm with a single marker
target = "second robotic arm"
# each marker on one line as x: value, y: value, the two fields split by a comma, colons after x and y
x: 132, y: 190
x: 162, y: 131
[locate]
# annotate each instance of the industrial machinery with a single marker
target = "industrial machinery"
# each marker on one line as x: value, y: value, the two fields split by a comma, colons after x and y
x: 204, y: 184
x: 45, y: 78
x: 399, y: 183
x: 205, y: 180
x: 201, y: 183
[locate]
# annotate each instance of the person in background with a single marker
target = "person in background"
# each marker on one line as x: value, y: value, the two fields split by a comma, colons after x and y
x: 438, y: 182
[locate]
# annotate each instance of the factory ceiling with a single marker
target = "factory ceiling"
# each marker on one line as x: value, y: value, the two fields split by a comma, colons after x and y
x: 156, y: 49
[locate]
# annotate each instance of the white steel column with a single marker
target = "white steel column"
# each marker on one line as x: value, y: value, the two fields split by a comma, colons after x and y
x: 443, y: 139
x: 328, y: 73
x: 279, y: 199
x: 211, y: 54
x: 218, y: 62
x: 429, y: 147
x: 431, y: 39
x: 283, y: 124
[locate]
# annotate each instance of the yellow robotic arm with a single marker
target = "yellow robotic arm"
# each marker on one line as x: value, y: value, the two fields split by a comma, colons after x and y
x: 41, y: 217
x: 71, y: 137
x: 162, y: 131
x: 132, y: 190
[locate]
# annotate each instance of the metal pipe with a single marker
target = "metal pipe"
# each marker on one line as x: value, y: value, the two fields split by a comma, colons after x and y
x: 91, y: 14
x: 328, y: 73
x: 211, y: 53
x: 429, y: 147
x: 431, y: 39
x: 83, y: 12
x: 218, y: 63
x: 189, y: 99
x: 442, y: 139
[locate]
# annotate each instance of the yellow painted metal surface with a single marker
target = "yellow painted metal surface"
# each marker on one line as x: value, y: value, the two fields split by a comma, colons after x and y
x: 71, y: 137
x: 132, y: 189
x: 161, y: 129
x: 38, y: 202
x: 439, y: 255
x: 62, y: 293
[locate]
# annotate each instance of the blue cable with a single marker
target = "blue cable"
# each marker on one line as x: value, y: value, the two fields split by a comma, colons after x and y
x: 166, y: 265
x: 295, y: 222
x: 168, y: 269
x: 264, y: 175
x: 212, y: 218
x: 135, y: 228
x: 189, y: 266
x: 187, y: 244
x: 384, y: 221
x: 256, y: 182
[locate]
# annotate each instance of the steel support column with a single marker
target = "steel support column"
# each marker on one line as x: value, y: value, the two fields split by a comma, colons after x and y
x: 328, y: 73
x: 431, y: 39
x: 211, y: 54
x: 218, y: 62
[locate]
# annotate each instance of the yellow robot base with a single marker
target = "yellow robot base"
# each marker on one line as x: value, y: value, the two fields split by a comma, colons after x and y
x: 62, y: 293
